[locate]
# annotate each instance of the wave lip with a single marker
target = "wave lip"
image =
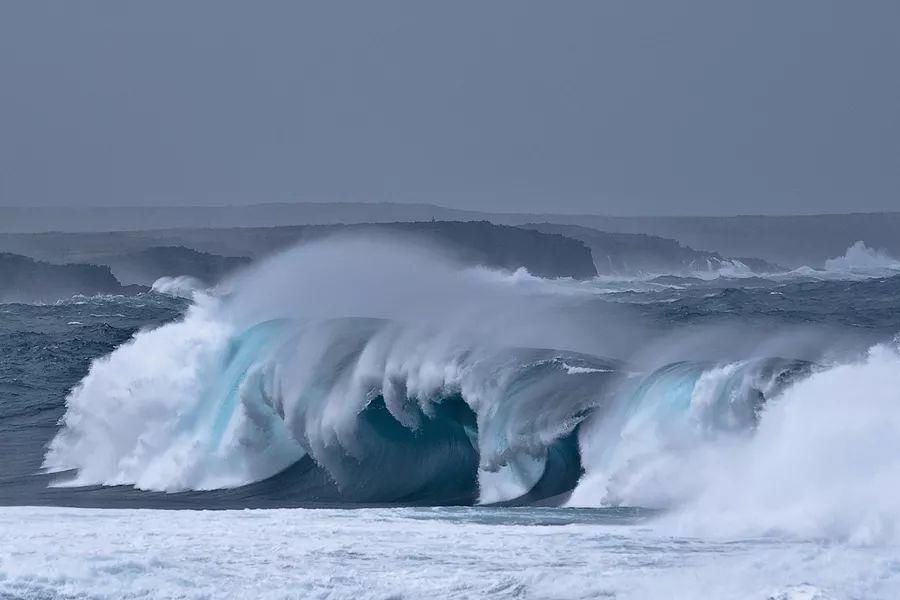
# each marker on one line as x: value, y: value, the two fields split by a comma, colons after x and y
x: 386, y: 422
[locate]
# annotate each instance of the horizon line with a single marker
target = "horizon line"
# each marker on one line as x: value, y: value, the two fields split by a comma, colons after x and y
x: 478, y: 212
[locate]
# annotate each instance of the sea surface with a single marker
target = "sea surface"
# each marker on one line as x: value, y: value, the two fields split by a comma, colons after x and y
x: 403, y: 427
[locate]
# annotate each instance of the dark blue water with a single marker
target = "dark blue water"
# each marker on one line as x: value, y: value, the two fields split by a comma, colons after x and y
x: 46, y: 350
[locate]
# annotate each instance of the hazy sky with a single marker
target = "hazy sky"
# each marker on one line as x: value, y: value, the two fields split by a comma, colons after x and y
x: 616, y: 107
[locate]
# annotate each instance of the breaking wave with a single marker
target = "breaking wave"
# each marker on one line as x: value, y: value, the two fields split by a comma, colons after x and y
x: 396, y: 380
x: 819, y: 458
x: 354, y: 371
x: 180, y: 286
x: 860, y: 260
x: 823, y: 463
x: 857, y: 263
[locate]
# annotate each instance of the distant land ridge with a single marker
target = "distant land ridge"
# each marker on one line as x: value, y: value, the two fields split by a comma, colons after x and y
x: 787, y: 240
x: 218, y: 251
x: 23, y: 279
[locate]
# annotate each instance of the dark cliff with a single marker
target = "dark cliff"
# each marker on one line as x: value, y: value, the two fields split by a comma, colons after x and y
x: 23, y: 279
x: 635, y: 253
x: 471, y: 242
x: 786, y: 240
x: 498, y: 246
x: 146, y: 266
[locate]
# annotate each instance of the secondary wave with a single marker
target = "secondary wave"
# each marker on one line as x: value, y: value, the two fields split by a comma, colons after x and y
x: 824, y: 462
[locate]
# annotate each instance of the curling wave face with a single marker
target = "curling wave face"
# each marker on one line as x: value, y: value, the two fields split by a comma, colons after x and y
x: 367, y: 410
x: 402, y: 380
x: 386, y: 412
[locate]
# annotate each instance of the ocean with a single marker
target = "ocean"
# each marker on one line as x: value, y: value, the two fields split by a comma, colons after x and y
x: 351, y: 419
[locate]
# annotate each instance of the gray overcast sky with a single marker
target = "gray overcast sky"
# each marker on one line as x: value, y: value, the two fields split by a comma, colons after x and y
x: 615, y: 107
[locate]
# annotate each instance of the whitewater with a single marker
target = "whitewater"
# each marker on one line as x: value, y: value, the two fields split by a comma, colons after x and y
x: 414, y: 553
x: 726, y: 434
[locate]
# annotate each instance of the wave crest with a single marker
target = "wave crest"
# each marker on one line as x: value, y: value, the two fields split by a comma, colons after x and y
x: 407, y: 379
x: 275, y: 372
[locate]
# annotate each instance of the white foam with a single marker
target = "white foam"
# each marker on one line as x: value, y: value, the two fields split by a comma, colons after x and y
x: 252, y: 379
x: 576, y: 370
x: 862, y: 260
x: 181, y: 286
x: 411, y: 554
x: 824, y: 462
x: 858, y: 263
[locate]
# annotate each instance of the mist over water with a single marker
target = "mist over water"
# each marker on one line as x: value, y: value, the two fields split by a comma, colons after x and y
x: 743, y: 428
x: 363, y: 370
x: 295, y: 358
x: 862, y: 260
x: 578, y: 307
x: 823, y: 463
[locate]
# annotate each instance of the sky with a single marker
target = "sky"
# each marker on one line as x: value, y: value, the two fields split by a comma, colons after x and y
x: 619, y: 107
